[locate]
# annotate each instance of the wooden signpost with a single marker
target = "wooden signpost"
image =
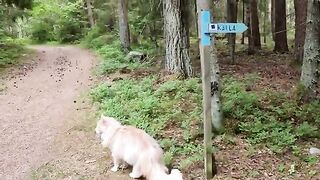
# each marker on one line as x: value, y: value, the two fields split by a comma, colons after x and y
x: 210, y: 77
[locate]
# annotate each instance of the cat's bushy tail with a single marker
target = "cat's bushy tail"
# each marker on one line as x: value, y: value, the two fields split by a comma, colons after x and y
x: 153, y: 168
x: 175, y: 175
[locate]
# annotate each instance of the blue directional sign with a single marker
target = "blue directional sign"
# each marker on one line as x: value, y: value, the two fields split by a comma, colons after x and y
x: 205, y: 21
x: 227, y: 28
x: 208, y: 28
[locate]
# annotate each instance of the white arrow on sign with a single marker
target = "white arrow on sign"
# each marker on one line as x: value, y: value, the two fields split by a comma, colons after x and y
x: 227, y: 28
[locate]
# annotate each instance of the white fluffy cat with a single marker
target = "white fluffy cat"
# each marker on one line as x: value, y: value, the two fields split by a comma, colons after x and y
x: 136, y: 148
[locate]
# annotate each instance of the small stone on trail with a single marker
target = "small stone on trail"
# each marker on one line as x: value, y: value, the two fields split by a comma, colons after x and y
x: 314, y: 151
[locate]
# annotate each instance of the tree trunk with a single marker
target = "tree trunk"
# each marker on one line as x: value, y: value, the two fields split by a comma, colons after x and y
x: 197, y: 51
x: 254, y: 24
x: 251, y: 49
x: 280, y: 37
x: 196, y: 15
x: 177, y: 58
x: 90, y: 13
x: 310, y: 76
x: 265, y: 18
x: 186, y: 19
x: 243, y: 20
x: 232, y: 12
x: 273, y: 17
x: 300, y: 7
x: 123, y: 25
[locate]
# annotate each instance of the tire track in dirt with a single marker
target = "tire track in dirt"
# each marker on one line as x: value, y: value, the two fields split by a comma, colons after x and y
x: 35, y: 107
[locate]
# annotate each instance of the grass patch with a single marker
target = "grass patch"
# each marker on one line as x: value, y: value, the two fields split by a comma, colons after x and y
x: 172, y: 110
x: 269, y: 118
x: 109, y: 48
x: 10, y: 52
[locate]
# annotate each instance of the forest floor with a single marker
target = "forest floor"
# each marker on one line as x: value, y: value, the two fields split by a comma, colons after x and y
x: 47, y: 121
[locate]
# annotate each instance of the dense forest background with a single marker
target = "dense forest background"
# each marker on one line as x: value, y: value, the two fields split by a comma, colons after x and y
x: 270, y: 74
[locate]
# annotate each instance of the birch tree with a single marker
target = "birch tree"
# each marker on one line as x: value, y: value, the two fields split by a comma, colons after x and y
x: 310, y: 76
x: 176, y: 30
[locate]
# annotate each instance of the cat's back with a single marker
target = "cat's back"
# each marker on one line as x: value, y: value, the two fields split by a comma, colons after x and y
x: 141, y: 137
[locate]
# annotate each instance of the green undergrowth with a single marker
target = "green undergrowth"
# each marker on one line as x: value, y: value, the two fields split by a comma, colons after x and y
x: 269, y: 118
x: 10, y: 51
x: 171, y: 111
x: 109, y: 48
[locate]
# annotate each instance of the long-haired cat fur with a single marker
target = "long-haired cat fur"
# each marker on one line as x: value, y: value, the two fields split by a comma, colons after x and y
x: 134, y: 147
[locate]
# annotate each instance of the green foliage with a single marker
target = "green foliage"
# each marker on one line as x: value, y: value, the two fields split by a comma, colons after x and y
x: 41, y: 32
x: 307, y: 130
x: 61, y: 21
x: 312, y: 160
x: 9, y: 53
x: 145, y: 19
x: 238, y: 103
x: 270, y: 118
x: 10, y: 49
x: 276, y: 135
x: 105, y: 12
x: 20, y: 3
x: 147, y: 105
x: 109, y: 49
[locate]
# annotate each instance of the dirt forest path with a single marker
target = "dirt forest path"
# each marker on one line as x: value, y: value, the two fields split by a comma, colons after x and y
x: 41, y: 119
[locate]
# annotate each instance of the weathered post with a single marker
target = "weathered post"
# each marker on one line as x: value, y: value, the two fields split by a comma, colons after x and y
x: 211, y: 77
x: 204, y: 6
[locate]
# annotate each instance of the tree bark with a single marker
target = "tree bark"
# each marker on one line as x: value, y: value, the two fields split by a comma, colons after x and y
x: 232, y: 12
x: 124, y: 31
x: 280, y: 37
x: 243, y: 21
x: 186, y: 19
x: 265, y: 18
x: 177, y: 58
x: 273, y: 17
x: 251, y: 48
x: 300, y: 7
x: 90, y: 13
x: 310, y: 76
x: 254, y: 24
